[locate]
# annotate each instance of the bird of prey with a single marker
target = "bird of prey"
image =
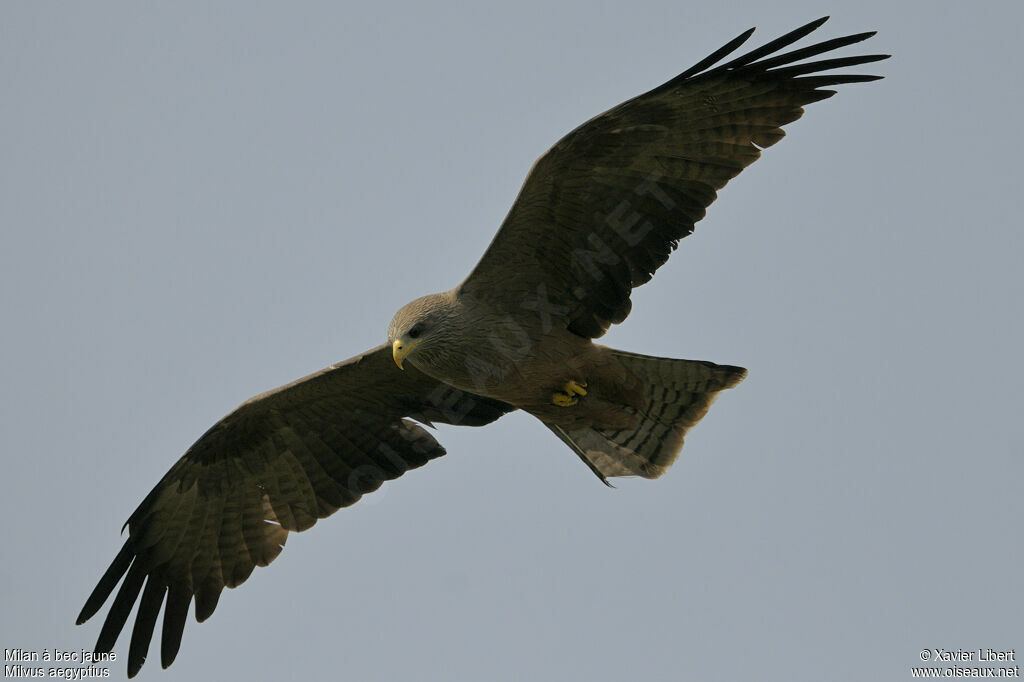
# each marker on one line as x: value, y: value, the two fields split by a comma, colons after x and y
x: 598, y: 213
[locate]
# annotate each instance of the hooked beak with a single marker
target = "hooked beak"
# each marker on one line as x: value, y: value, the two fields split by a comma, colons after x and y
x: 400, y: 351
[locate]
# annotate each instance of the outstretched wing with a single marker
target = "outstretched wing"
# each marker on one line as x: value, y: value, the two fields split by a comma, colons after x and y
x: 604, y: 208
x: 278, y: 463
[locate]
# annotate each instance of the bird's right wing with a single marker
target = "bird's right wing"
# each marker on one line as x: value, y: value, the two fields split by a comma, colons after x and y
x: 604, y: 207
x: 278, y: 463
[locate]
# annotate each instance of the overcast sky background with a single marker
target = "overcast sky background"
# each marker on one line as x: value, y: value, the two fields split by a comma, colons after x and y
x: 201, y: 203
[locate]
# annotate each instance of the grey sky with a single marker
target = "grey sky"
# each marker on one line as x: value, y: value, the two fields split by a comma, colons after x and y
x: 198, y: 204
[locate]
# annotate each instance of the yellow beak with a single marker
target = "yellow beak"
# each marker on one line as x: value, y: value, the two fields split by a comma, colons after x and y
x: 400, y: 351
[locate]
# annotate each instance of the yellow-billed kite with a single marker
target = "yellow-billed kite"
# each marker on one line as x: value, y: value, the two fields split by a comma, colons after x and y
x: 597, y: 215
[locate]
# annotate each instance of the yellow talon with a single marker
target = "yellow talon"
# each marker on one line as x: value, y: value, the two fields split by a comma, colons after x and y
x: 575, y: 387
x: 564, y: 399
x: 569, y: 395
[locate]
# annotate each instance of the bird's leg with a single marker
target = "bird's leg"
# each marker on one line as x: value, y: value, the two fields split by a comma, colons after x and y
x: 569, y: 395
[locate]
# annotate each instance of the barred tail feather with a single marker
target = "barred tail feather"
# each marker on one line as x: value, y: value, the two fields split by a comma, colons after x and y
x: 677, y: 393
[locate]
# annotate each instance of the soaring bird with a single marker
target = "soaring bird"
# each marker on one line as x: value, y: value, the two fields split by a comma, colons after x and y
x: 598, y: 214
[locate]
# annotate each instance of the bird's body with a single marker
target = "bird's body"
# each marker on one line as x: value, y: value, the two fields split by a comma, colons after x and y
x: 598, y: 214
x: 518, y: 360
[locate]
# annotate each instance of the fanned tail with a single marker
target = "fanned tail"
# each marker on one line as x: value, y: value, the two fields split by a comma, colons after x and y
x: 676, y: 395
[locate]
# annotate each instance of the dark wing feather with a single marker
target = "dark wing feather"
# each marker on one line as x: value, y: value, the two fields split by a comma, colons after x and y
x: 275, y: 465
x: 604, y: 208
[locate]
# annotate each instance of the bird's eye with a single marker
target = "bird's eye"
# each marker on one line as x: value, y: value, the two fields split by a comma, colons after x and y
x: 414, y: 333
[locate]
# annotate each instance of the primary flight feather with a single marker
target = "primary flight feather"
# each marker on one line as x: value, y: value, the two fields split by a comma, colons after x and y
x: 598, y: 214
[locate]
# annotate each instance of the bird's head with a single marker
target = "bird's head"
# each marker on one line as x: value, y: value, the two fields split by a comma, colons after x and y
x: 417, y: 326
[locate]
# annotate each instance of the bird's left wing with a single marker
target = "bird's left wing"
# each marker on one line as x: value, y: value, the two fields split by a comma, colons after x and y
x: 278, y: 463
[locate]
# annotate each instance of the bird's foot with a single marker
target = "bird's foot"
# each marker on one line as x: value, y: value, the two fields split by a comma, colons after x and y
x: 569, y: 395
